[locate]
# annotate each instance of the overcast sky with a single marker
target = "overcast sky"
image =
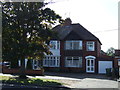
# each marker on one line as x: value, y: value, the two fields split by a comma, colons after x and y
x: 98, y: 16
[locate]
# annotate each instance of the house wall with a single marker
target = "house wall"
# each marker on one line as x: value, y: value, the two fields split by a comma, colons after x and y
x: 98, y: 48
x: 62, y: 62
x: 82, y: 53
x: 65, y: 53
x: 91, y: 53
x: 116, y: 62
x: 117, y: 56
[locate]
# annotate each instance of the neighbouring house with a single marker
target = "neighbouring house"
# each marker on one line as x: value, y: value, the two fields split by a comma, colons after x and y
x: 117, y: 60
x: 75, y: 50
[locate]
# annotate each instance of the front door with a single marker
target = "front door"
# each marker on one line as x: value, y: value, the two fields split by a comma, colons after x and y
x: 90, y: 65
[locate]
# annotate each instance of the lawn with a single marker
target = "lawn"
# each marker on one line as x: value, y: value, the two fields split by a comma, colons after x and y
x: 29, y: 81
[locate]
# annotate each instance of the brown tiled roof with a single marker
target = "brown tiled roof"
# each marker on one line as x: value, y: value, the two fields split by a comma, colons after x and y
x: 63, y: 31
x: 104, y: 57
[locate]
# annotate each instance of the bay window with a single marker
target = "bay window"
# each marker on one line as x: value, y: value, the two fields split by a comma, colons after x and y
x: 73, y: 61
x: 51, y: 61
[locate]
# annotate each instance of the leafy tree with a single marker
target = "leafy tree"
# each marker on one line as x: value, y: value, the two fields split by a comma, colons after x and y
x: 26, y: 31
x: 110, y: 51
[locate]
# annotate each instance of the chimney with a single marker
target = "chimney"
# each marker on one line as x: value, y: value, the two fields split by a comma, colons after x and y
x: 67, y: 22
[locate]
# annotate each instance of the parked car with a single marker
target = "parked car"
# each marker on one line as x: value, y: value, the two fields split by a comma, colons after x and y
x: 4, y: 65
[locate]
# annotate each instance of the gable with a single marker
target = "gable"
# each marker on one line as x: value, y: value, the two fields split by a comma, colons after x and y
x: 73, y: 36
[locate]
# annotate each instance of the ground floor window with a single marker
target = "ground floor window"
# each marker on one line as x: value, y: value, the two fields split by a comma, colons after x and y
x: 73, y: 61
x: 51, y: 61
x: 118, y: 61
x: 36, y: 64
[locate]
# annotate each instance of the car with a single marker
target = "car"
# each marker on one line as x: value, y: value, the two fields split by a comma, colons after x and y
x: 4, y: 64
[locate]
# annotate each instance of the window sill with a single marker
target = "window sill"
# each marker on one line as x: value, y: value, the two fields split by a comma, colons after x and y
x: 51, y: 66
x: 73, y: 49
x: 72, y: 67
x: 90, y: 51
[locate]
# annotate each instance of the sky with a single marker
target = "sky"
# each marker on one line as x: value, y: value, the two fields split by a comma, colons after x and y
x: 100, y: 17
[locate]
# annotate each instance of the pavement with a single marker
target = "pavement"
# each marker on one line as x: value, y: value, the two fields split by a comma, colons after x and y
x: 80, y: 81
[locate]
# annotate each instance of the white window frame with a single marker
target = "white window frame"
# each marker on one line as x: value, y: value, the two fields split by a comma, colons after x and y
x: 90, y: 68
x: 89, y: 44
x: 118, y: 62
x: 71, y: 47
x: 36, y: 64
x: 57, y: 44
x: 51, y: 61
x: 71, y: 63
x: 20, y: 63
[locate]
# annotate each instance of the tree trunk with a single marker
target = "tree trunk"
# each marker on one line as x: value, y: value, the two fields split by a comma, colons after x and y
x: 22, y: 69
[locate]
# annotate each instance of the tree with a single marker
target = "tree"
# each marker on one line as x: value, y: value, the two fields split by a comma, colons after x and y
x: 26, y: 31
x: 110, y: 51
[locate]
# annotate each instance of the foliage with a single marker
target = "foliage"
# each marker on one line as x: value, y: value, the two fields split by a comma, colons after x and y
x: 26, y: 31
x: 29, y: 81
x: 29, y: 64
x: 14, y: 64
x: 110, y: 51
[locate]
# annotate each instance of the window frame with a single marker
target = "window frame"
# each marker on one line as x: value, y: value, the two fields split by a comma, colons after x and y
x: 72, y: 46
x: 118, y: 60
x: 80, y: 59
x: 88, y: 46
x: 57, y: 45
x: 35, y: 65
x: 51, y: 61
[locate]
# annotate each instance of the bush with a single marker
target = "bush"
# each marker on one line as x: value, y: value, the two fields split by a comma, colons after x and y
x: 115, y: 73
x: 108, y: 72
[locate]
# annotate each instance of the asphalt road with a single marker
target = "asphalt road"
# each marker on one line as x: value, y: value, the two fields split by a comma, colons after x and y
x: 79, y: 81
x: 17, y: 87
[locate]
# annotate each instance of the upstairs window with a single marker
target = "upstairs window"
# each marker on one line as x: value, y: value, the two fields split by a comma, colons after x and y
x: 90, y: 46
x: 54, y: 45
x: 73, y: 45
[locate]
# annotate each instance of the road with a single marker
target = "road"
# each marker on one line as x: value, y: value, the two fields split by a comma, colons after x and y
x: 81, y: 81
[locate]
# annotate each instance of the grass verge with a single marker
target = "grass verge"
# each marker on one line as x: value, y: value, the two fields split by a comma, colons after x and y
x: 29, y: 81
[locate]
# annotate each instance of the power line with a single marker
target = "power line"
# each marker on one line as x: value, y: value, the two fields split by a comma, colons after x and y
x: 54, y: 1
x: 106, y: 30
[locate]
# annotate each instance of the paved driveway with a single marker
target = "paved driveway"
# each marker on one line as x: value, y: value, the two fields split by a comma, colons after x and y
x: 79, y: 80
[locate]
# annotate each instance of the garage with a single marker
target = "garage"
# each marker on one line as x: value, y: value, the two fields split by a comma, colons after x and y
x: 103, y: 65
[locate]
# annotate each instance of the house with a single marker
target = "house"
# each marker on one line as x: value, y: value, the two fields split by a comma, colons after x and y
x: 76, y: 50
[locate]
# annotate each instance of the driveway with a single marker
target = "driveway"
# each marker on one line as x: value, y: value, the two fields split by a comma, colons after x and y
x: 80, y: 80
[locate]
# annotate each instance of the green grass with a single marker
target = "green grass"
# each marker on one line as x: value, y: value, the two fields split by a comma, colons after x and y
x: 29, y: 81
